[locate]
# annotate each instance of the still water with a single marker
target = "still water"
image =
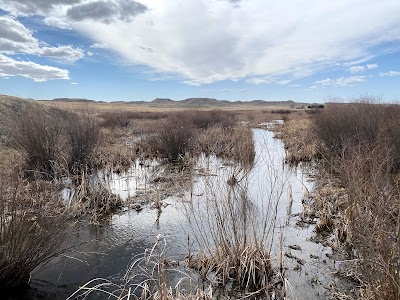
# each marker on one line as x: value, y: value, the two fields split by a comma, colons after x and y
x: 274, y: 190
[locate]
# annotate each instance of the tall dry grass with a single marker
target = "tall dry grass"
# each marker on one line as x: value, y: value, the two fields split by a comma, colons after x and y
x: 234, y: 232
x: 33, y: 227
x: 52, y: 141
x: 146, y: 278
x: 360, y: 142
x: 299, y: 139
x: 174, y: 137
x: 82, y: 135
x: 38, y: 135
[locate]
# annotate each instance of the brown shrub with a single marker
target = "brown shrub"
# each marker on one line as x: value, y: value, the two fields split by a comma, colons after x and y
x: 38, y: 135
x: 123, y: 118
x: 206, y: 119
x: 33, y: 226
x: 82, y: 132
x: 361, y: 143
x: 174, y: 138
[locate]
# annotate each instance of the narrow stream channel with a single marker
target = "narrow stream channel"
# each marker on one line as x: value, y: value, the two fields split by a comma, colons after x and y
x: 106, y: 251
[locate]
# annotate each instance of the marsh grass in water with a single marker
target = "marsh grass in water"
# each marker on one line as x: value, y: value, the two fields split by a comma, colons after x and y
x: 33, y: 227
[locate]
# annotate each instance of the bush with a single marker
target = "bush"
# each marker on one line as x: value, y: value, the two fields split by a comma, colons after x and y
x: 51, y: 139
x: 362, y: 143
x: 206, y: 119
x: 341, y: 127
x: 123, y: 118
x: 33, y: 226
x: 82, y: 133
x: 174, y: 138
x: 38, y: 135
x: 281, y: 111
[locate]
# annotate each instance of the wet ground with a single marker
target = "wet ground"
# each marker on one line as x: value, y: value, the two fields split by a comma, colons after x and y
x: 106, y: 251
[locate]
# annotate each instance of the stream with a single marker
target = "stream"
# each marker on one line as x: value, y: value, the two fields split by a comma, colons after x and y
x: 106, y: 251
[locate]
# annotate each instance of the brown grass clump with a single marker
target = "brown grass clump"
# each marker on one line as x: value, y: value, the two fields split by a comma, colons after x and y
x: 123, y: 118
x: 38, y: 135
x: 213, y: 118
x: 247, y: 266
x: 174, y: 138
x: 234, y: 238
x: 299, y: 139
x: 82, y: 133
x: 236, y: 144
x: 33, y: 226
x: 53, y: 141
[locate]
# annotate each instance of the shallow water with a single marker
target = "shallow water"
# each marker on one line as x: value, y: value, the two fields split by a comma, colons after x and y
x: 106, y: 251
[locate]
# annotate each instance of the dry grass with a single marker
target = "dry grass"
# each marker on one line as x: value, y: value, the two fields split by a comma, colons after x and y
x: 234, y: 235
x: 299, y: 139
x: 146, y: 279
x: 33, y: 226
x: 175, y: 137
x: 360, y: 147
x: 234, y: 143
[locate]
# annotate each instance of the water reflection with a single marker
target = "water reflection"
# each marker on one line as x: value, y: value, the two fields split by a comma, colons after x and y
x: 258, y: 198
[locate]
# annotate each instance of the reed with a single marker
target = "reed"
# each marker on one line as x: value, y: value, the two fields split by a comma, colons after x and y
x: 33, y: 227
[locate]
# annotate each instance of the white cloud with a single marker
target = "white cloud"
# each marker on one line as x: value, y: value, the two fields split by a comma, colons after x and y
x: 16, y: 38
x: 33, y: 7
x: 311, y: 88
x: 74, y: 83
x: 222, y: 42
x: 62, y: 52
x: 203, y: 41
x: 98, y: 46
x: 360, y: 69
x: 390, y: 74
x: 10, y: 67
x: 106, y: 11
x: 372, y: 66
x: 342, y: 81
x: 57, y: 22
x: 356, y: 69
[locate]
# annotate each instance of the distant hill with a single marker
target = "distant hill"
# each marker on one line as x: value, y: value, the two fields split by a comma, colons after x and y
x: 188, y: 103
x: 162, y: 100
x: 73, y: 100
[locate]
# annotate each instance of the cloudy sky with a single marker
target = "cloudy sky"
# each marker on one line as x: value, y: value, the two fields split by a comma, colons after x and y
x: 304, y: 50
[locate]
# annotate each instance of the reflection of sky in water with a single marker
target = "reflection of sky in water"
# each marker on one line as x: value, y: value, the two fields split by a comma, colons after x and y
x: 108, y: 250
x: 136, y: 179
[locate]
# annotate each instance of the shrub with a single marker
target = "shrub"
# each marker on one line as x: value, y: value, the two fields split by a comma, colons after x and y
x: 83, y: 133
x: 115, y: 119
x: 51, y: 139
x: 174, y: 138
x: 206, y: 119
x: 33, y: 226
x: 281, y: 111
x: 361, y: 142
x: 38, y: 135
x: 343, y: 126
x: 123, y: 118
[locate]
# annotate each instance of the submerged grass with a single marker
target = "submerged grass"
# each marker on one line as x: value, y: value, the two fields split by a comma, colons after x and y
x: 145, y: 279
x: 234, y: 235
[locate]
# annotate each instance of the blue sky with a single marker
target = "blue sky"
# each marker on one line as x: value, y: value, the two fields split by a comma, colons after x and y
x: 111, y: 50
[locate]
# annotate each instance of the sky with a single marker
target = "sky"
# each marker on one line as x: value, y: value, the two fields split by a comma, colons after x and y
x: 126, y: 50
